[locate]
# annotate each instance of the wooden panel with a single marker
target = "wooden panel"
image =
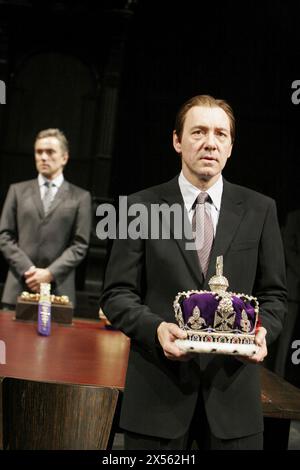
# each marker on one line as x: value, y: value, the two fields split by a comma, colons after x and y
x: 57, y: 416
x: 85, y: 363
x: 1, y: 413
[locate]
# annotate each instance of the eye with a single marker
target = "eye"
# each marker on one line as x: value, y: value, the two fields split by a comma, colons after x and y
x: 223, y: 134
x: 198, y: 132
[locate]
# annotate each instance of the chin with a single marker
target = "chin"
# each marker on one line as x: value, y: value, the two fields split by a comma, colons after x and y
x: 206, y: 175
x: 45, y: 173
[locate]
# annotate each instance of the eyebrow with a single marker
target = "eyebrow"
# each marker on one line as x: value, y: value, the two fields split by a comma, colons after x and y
x: 223, y: 129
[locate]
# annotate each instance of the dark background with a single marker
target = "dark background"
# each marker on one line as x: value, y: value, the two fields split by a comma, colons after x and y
x: 112, y: 75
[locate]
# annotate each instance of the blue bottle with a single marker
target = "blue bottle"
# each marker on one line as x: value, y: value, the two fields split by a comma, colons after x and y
x: 44, y: 310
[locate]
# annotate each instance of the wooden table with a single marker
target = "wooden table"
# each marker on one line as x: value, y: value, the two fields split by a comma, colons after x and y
x: 281, y: 404
x: 85, y: 355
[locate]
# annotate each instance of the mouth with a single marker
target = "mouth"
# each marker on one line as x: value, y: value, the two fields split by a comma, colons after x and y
x: 208, y: 158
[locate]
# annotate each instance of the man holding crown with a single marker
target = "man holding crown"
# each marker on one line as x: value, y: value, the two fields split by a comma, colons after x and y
x: 173, y: 396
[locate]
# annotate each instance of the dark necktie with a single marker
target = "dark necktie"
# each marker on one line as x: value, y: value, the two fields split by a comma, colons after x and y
x: 48, y: 197
x: 203, y: 230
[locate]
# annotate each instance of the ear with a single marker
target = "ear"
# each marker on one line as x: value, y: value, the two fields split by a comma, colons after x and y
x: 65, y: 158
x: 230, y: 150
x: 176, y: 142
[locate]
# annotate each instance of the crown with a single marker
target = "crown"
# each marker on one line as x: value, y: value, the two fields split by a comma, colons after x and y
x: 217, y: 321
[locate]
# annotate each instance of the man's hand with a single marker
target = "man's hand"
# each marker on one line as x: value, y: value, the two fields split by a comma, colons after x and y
x: 260, y: 341
x: 167, y: 333
x: 34, y: 276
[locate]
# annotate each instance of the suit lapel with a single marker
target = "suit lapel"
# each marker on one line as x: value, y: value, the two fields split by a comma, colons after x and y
x: 231, y: 214
x: 36, y: 196
x: 172, y: 195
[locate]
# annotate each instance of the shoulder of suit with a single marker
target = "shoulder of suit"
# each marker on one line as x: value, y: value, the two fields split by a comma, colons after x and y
x: 71, y: 191
x: 154, y: 193
x: 76, y: 189
x: 23, y: 185
x: 248, y: 194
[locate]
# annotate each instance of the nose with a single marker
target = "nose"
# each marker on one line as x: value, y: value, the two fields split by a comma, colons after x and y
x: 44, y: 155
x: 210, y: 141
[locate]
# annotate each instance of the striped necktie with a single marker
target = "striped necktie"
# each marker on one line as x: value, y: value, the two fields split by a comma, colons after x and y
x: 48, y: 196
x: 203, y: 230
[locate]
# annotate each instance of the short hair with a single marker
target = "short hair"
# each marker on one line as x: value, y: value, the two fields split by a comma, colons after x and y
x: 206, y: 101
x: 54, y: 133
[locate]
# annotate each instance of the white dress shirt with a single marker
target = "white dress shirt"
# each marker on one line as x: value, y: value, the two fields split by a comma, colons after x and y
x: 190, y: 193
x: 57, y: 182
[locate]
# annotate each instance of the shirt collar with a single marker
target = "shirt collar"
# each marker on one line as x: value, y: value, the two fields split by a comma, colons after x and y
x: 58, y: 181
x: 190, y: 192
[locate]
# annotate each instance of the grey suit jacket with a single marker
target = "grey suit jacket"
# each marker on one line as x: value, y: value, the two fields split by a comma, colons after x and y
x: 143, y: 277
x: 58, y: 241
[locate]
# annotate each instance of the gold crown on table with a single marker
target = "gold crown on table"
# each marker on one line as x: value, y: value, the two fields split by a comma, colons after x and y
x: 217, y: 321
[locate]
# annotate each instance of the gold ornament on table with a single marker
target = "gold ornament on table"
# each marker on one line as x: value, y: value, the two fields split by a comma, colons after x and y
x: 55, y: 299
x: 62, y: 308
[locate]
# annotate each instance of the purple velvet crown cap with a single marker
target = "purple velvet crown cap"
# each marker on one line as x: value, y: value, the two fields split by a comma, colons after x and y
x: 216, y: 310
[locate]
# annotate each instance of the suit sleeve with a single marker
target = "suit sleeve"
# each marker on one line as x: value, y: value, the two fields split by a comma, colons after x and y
x: 122, y: 297
x: 291, y: 240
x: 17, y: 259
x: 74, y: 254
x: 270, y: 288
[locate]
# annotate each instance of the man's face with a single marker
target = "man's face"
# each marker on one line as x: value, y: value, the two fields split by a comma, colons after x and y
x: 205, y: 145
x: 50, y: 158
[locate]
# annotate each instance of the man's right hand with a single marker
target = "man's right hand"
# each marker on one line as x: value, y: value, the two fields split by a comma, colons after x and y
x: 167, y: 333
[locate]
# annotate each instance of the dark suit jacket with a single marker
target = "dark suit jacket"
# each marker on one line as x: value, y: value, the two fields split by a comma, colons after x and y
x: 58, y: 241
x: 291, y: 240
x: 142, y: 279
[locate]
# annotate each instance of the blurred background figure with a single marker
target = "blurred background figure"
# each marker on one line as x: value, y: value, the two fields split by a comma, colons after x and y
x: 291, y: 330
x: 45, y: 224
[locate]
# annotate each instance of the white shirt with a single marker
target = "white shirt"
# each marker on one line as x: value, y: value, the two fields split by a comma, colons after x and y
x: 57, y: 182
x: 190, y: 193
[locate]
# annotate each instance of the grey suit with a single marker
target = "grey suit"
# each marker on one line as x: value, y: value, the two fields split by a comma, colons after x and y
x: 58, y: 241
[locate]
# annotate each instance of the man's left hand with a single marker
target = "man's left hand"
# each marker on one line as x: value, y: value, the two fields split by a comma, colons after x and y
x: 34, y: 277
x: 260, y: 341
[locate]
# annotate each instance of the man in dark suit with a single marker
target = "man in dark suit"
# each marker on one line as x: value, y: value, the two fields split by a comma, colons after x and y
x: 171, y: 396
x: 291, y: 331
x: 45, y: 224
